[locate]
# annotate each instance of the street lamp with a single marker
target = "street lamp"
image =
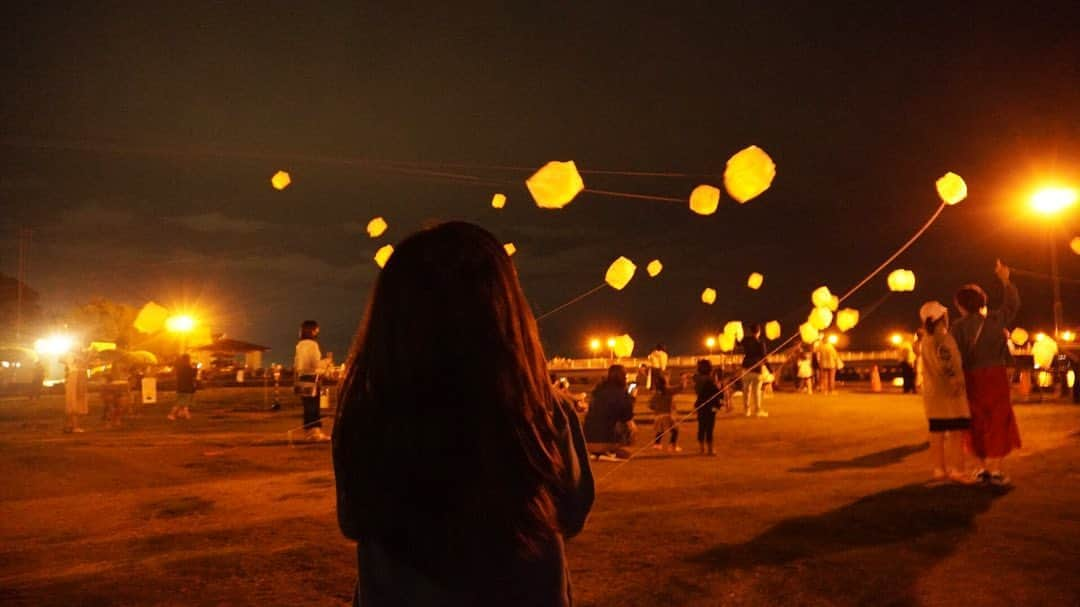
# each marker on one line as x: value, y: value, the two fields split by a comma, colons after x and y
x: 182, y: 324
x: 594, y: 346
x: 896, y: 339
x: 1050, y: 202
x: 710, y: 343
x: 611, y: 347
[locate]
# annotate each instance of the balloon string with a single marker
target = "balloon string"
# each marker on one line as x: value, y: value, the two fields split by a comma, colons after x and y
x: 1042, y: 275
x: 600, y: 480
x: 638, y: 196
x: 572, y: 301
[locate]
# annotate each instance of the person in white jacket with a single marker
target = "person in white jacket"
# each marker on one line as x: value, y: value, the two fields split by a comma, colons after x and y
x: 309, y: 365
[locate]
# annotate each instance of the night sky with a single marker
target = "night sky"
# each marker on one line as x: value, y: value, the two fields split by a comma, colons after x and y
x: 139, y: 139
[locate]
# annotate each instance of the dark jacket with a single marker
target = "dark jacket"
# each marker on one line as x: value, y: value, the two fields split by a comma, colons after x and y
x: 545, y: 581
x: 610, y: 404
x: 707, y: 391
x: 754, y: 353
x: 185, y: 378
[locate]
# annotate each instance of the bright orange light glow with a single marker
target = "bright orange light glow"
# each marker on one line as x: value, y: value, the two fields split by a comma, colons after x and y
x: 1040, y: 336
x: 611, y: 342
x: 54, y: 345
x: 594, y: 344
x: 710, y: 342
x: 833, y: 339
x: 1050, y: 201
x: 895, y: 339
x: 181, y: 323
x: 1069, y: 336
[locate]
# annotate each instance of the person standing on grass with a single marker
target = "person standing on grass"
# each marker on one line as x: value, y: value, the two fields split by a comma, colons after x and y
x: 459, y: 472
x: 609, y: 424
x: 308, y: 365
x: 829, y: 360
x: 708, y: 400
x: 75, y: 392
x: 980, y: 336
x: 663, y: 404
x: 752, y: 364
x: 185, y: 388
x: 944, y: 396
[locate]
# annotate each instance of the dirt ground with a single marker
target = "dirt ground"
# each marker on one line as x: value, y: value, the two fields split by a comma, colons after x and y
x: 822, y: 503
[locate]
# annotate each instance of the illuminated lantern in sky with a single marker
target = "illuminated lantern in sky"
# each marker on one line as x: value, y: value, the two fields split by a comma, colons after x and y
x: 654, y: 268
x: 624, y: 346
x: 749, y: 173
x: 555, y: 184
x: 510, y: 248
x: 1019, y: 336
x: 834, y: 303
x: 847, y: 318
x: 821, y: 297
x: 820, y: 318
x: 754, y: 281
x: 383, y: 255
x: 376, y: 227
x: 704, y: 199
x: 498, y: 201
x: 734, y: 328
x: 951, y: 188
x: 619, y: 273
x: 1074, y: 244
x: 725, y: 342
x: 708, y: 296
x: 808, y: 333
x: 1043, y: 351
x: 772, y: 330
x: 151, y: 318
x: 280, y: 180
x: 901, y: 280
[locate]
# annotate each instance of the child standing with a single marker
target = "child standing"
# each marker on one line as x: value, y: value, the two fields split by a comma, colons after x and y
x: 185, y: 388
x: 805, y: 372
x: 663, y: 404
x: 707, y: 402
x: 944, y: 395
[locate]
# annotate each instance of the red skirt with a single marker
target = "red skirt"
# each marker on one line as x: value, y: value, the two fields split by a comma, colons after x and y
x: 993, y: 425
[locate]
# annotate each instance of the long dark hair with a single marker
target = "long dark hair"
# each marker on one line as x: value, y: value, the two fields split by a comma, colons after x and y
x: 443, y: 445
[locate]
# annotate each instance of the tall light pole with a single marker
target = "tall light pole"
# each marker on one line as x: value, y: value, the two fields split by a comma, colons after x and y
x: 1050, y: 202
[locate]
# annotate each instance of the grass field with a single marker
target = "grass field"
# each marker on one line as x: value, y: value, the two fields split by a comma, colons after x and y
x: 822, y: 503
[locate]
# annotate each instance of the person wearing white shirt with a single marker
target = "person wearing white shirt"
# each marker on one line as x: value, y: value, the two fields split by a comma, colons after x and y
x: 308, y: 365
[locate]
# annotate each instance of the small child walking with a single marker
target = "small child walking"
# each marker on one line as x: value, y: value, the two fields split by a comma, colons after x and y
x: 662, y: 404
x: 185, y: 388
x: 944, y: 395
x: 805, y: 372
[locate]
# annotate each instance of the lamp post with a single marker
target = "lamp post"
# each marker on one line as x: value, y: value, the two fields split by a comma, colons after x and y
x: 611, y: 347
x: 1049, y: 202
x: 710, y: 343
x: 182, y: 325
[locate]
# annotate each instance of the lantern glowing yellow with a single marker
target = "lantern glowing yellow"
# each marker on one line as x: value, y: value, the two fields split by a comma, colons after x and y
x: 772, y: 330
x: 754, y: 280
x: 1019, y: 336
x: 383, y: 255
x: 510, y: 248
x: 624, y: 346
x: 1074, y: 244
x: 708, y: 296
x: 726, y: 342
x: 734, y: 328
x: 847, y: 318
x: 808, y: 333
x: 820, y: 318
x: 151, y: 318
x: 821, y: 297
x: 901, y: 280
x: 951, y: 188
x: 1043, y: 351
x: 834, y: 303
x: 376, y: 227
x: 619, y: 273
x: 654, y: 268
x: 280, y: 180
x: 749, y: 173
x: 498, y: 201
x: 704, y: 199
x: 555, y: 184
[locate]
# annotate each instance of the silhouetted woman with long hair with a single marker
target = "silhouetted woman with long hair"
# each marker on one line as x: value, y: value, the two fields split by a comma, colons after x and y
x: 459, y: 472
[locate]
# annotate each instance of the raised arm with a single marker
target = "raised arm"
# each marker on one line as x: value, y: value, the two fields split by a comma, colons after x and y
x: 1011, y: 304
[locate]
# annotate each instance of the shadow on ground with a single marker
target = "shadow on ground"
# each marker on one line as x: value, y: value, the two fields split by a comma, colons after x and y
x: 871, y: 551
x: 877, y: 459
